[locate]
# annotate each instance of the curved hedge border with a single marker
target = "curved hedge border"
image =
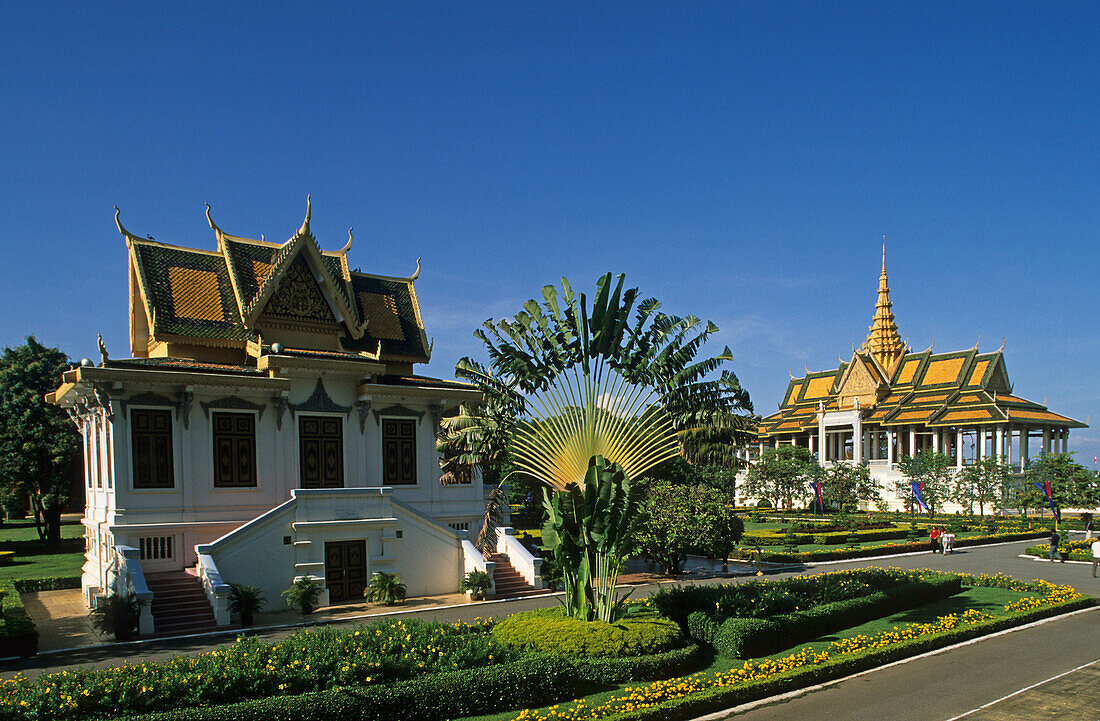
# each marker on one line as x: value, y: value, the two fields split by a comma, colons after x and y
x: 842, y: 554
x: 750, y: 637
x: 18, y: 636
x: 533, y: 681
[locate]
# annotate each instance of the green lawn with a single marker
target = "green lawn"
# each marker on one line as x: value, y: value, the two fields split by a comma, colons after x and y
x: 989, y: 600
x: 33, y: 560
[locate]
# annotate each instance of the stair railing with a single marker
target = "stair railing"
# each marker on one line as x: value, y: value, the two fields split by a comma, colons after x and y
x: 472, y: 560
x: 130, y: 579
x: 217, y: 590
x: 527, y: 564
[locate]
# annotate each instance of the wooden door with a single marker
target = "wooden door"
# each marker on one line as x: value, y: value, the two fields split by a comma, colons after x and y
x: 345, y: 570
x: 321, y: 451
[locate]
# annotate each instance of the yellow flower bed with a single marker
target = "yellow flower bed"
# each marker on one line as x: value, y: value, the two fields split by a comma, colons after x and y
x: 635, y: 698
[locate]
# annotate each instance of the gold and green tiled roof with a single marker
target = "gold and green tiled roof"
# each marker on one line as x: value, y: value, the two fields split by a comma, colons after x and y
x: 216, y: 296
x: 936, y: 390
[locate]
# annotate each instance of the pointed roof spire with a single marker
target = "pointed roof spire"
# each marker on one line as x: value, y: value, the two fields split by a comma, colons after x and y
x: 884, y: 342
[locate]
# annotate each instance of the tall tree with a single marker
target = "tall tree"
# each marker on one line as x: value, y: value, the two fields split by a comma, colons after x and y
x: 782, y: 476
x: 983, y: 483
x: 931, y: 469
x: 1072, y: 485
x: 847, y: 484
x: 679, y: 519
x: 38, y: 442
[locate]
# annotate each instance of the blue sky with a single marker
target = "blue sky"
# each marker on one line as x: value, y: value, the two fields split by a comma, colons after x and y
x: 738, y: 161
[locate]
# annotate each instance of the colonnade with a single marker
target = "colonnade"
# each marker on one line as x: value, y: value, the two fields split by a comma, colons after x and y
x: 889, y: 444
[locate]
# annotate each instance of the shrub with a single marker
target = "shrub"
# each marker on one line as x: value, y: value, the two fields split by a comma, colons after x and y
x: 476, y: 583
x: 763, y: 503
x: 549, y: 630
x: 749, y: 637
x: 303, y: 593
x: 386, y: 588
x: 245, y: 601
x: 119, y: 616
x: 18, y: 636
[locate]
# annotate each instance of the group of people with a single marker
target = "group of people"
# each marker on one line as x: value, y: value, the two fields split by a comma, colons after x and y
x: 1055, y: 539
x: 942, y: 541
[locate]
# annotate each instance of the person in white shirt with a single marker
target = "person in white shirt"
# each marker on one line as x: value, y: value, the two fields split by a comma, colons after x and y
x: 1095, y: 556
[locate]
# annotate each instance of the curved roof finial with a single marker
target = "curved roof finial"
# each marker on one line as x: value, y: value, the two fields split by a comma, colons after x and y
x: 347, y: 246
x: 1002, y: 344
x: 883, y: 252
x: 119, y: 223
x: 213, y: 226
x: 416, y: 275
x: 304, y: 230
x: 979, y: 342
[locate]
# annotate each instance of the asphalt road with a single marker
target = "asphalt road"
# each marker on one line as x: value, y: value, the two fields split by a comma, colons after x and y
x: 1041, y: 672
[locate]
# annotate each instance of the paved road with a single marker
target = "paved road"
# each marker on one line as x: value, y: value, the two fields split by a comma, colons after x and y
x: 934, y: 688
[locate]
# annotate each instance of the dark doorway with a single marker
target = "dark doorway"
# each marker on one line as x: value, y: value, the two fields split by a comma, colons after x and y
x: 321, y: 450
x: 345, y: 570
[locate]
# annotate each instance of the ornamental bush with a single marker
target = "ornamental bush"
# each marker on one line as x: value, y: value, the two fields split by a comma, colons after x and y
x: 18, y: 636
x: 642, y: 632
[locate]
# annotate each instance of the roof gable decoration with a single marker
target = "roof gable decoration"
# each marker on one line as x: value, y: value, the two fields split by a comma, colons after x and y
x: 304, y: 246
x: 861, y: 385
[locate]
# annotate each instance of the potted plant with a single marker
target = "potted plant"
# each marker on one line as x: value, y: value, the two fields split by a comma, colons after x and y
x: 245, y: 601
x: 385, y: 588
x: 476, y: 583
x: 303, y: 593
x: 119, y: 616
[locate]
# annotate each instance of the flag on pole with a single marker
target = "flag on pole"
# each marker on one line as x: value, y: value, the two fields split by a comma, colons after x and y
x: 1049, y: 493
x: 817, y: 486
x: 918, y: 486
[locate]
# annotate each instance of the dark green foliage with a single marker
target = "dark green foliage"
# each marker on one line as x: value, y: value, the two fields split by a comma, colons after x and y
x: 477, y: 583
x: 29, y: 585
x: 386, y: 588
x: 679, y: 519
x: 549, y: 630
x: 18, y: 636
x: 303, y: 593
x: 38, y: 442
x: 245, y: 601
x: 752, y: 637
x: 118, y: 616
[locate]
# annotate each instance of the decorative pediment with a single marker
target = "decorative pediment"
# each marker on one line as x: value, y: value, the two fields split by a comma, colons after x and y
x: 860, y: 383
x: 233, y: 403
x: 396, y: 410
x: 147, y: 399
x: 298, y: 298
x: 320, y: 402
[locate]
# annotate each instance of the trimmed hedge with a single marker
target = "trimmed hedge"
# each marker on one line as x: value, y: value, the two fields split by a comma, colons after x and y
x: 18, y: 636
x: 530, y: 682
x: 726, y: 697
x: 751, y: 637
x: 31, y: 585
x: 840, y: 554
x: 772, y: 538
x: 549, y: 630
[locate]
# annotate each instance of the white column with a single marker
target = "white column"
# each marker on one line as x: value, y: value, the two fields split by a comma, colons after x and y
x: 999, y: 436
x: 935, y: 440
x: 1023, y: 448
x: 857, y: 441
x: 891, y: 439
x: 959, y: 449
x: 1065, y: 440
x: 821, y: 443
x: 1046, y: 442
x: 912, y: 440
x: 980, y: 443
x: 874, y: 444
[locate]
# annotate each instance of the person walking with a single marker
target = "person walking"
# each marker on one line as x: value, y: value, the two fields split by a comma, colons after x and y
x: 1088, y: 527
x: 934, y: 535
x: 1054, y: 540
x: 1095, y: 556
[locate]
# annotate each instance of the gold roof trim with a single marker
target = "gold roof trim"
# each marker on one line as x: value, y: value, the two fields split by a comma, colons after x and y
x: 884, y: 343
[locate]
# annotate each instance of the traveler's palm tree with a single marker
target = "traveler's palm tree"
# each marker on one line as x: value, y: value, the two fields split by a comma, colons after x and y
x: 585, y: 398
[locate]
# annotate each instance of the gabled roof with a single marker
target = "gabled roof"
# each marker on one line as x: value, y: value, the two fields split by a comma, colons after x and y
x: 218, y: 297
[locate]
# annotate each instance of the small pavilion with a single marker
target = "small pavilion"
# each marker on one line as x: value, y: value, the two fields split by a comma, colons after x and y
x: 888, y: 402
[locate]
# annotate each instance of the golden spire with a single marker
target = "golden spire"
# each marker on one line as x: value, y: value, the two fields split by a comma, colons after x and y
x: 883, y: 340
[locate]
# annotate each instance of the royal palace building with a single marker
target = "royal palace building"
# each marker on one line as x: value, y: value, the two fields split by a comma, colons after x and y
x: 888, y: 402
x: 268, y: 426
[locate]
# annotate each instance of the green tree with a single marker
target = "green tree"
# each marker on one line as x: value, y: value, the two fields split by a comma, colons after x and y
x: 1072, y: 485
x: 847, y: 484
x: 782, y: 475
x: 680, y: 519
x: 932, y: 469
x: 983, y: 483
x: 38, y: 442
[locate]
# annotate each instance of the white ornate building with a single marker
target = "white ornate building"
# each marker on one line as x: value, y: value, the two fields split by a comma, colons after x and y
x: 269, y: 425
